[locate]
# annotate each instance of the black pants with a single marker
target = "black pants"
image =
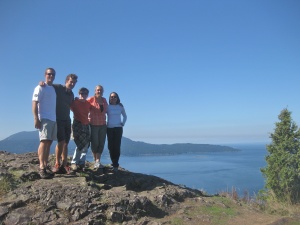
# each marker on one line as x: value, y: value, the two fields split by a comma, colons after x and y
x: 114, y: 137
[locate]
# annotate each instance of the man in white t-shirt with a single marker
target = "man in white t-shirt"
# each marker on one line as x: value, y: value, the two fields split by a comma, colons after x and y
x: 44, y: 113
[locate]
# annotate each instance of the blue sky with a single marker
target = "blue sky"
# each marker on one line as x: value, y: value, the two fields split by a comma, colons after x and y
x: 186, y: 70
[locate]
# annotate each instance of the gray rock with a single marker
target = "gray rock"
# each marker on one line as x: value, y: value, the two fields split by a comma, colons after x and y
x: 84, y: 198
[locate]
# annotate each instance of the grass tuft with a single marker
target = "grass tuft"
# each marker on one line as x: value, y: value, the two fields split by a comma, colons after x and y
x: 6, y: 184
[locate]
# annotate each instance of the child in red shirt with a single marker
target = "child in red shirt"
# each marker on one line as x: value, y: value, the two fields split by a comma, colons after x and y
x: 81, y: 129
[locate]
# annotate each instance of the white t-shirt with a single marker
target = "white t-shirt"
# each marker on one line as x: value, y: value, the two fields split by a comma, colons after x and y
x: 46, y: 98
x: 114, y: 113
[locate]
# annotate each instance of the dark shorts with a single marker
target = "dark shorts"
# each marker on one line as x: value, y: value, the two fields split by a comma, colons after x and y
x: 63, y: 130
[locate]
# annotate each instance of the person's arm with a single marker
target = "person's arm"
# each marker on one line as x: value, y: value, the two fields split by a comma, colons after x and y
x: 43, y: 83
x: 124, y: 116
x: 73, y: 97
x: 90, y: 104
x: 74, y: 105
x: 37, y: 122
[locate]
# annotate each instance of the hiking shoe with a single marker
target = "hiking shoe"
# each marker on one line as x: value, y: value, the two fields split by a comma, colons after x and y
x: 44, y: 174
x: 49, y: 171
x: 66, y: 170
x: 56, y: 168
x: 116, y: 169
x: 101, y: 166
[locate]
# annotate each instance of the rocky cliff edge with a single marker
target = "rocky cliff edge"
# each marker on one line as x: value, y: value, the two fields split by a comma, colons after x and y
x: 88, y: 197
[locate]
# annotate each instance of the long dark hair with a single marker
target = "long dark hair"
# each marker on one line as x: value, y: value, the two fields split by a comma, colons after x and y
x: 118, y: 99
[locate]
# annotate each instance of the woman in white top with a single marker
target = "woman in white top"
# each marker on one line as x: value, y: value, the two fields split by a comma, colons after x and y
x: 115, y: 128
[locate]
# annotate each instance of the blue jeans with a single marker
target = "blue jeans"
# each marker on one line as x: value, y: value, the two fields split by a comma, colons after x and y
x: 79, y: 156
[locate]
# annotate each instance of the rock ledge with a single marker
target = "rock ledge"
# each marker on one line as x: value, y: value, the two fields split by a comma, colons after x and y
x: 84, y: 198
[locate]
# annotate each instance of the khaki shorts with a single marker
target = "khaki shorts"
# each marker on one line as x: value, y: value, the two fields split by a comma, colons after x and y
x: 48, y: 130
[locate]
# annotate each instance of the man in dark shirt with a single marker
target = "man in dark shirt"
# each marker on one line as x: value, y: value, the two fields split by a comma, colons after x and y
x: 64, y: 98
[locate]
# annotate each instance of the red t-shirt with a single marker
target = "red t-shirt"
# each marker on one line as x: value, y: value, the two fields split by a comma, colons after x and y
x: 81, y: 110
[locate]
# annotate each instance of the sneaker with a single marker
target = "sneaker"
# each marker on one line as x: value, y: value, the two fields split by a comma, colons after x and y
x: 44, y: 174
x: 49, y: 171
x: 110, y: 166
x: 56, y: 168
x: 96, y: 165
x: 81, y: 168
x: 74, y: 167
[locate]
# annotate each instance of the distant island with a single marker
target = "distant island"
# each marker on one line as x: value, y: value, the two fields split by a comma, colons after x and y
x: 27, y: 141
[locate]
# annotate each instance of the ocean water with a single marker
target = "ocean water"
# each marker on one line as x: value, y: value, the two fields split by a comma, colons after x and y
x: 211, y: 172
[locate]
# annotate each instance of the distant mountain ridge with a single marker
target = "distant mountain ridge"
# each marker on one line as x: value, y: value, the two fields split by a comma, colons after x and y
x: 28, y: 141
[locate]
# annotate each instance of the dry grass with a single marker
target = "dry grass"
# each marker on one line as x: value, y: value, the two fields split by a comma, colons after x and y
x: 265, y: 202
x: 6, y: 184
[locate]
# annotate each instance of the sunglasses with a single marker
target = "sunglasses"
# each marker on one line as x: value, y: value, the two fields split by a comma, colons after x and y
x: 113, y: 96
x: 83, y: 93
x: 49, y: 74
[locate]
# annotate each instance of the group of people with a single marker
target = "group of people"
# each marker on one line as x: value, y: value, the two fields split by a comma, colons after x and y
x: 51, y: 105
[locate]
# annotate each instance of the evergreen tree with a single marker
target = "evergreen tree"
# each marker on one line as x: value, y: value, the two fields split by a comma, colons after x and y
x: 282, y: 172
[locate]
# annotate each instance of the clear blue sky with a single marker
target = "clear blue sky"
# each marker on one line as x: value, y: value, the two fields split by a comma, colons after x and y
x: 186, y: 70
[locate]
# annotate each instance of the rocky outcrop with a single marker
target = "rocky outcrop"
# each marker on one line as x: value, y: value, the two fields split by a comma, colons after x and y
x: 88, y: 197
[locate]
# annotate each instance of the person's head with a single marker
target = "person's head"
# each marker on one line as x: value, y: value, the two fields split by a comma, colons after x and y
x: 49, y: 75
x: 99, y: 90
x: 114, y: 98
x: 83, y: 93
x: 71, y: 81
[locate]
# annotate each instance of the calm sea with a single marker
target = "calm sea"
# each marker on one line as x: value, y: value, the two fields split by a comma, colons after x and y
x: 211, y: 172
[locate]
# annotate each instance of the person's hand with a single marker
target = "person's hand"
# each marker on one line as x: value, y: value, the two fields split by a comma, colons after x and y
x: 37, y: 123
x: 42, y: 83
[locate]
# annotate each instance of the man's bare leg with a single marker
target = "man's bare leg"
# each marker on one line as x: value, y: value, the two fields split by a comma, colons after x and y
x: 47, y: 153
x: 58, y: 152
x: 64, y: 155
x: 43, y: 152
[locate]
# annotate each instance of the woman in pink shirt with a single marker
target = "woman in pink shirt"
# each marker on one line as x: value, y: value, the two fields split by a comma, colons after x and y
x: 97, y: 119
